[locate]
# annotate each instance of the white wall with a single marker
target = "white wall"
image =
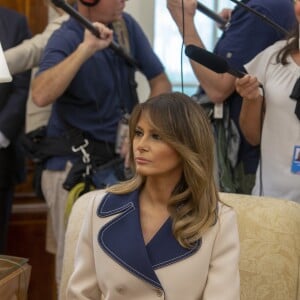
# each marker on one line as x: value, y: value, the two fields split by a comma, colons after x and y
x: 143, y: 12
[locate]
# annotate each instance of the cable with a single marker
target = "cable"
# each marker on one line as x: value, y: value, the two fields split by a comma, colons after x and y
x: 261, y: 188
x: 182, y: 46
x: 263, y: 17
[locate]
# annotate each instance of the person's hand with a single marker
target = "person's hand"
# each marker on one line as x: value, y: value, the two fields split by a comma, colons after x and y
x: 225, y: 14
x: 94, y: 43
x: 248, y: 87
x: 175, y: 9
x: 125, y: 152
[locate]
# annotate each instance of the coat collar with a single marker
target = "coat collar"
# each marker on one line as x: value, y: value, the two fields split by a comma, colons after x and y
x: 122, y: 239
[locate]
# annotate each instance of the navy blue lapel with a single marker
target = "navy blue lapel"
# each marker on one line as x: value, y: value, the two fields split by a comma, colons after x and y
x: 164, y: 249
x: 122, y: 239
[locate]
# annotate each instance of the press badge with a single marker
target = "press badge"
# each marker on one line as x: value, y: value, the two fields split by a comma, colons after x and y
x: 218, y: 111
x: 122, y: 132
x: 296, y: 161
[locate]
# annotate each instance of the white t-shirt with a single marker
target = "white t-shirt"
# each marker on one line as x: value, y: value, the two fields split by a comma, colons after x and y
x: 281, y: 127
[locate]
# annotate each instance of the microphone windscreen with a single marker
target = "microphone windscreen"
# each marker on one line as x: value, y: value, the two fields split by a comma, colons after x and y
x: 207, y: 59
x: 58, y: 3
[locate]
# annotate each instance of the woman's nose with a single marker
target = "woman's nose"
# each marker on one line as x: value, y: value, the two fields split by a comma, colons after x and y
x: 142, y: 145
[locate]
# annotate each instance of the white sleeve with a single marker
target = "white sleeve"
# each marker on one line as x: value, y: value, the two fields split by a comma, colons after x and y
x: 27, y: 55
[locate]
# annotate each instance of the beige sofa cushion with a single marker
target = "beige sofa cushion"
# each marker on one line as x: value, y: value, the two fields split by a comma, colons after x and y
x: 269, y: 232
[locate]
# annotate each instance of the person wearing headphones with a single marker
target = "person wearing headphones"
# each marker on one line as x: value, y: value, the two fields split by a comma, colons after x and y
x: 92, y: 92
x: 244, y: 36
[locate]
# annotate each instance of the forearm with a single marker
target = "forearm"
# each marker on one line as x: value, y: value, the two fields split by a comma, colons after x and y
x: 218, y: 87
x: 159, y: 84
x: 251, y: 117
x: 51, y: 84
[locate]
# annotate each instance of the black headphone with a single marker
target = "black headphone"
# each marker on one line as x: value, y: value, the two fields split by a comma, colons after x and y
x: 89, y: 2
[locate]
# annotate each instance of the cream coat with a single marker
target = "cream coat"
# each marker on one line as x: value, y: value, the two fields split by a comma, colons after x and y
x: 112, y: 262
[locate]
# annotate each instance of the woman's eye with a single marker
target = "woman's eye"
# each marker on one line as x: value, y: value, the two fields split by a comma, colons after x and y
x: 138, y: 132
x: 156, y: 136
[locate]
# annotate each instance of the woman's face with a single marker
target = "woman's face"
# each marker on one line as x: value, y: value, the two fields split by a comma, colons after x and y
x: 152, y: 156
x: 107, y: 11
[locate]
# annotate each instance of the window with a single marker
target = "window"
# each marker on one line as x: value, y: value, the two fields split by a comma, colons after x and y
x: 168, y: 42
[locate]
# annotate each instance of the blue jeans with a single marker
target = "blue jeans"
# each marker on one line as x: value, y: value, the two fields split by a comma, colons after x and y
x: 109, y: 173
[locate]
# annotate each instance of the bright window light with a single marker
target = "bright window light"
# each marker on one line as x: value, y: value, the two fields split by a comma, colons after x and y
x: 168, y: 42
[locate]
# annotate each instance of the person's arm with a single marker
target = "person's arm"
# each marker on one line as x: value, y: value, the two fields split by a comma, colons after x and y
x: 50, y: 84
x: 28, y: 54
x: 159, y: 84
x: 218, y: 87
x: 251, y: 115
x: 223, y: 280
x: 149, y: 63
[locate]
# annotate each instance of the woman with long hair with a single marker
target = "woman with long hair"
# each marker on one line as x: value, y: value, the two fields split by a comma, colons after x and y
x: 164, y: 232
x: 270, y: 115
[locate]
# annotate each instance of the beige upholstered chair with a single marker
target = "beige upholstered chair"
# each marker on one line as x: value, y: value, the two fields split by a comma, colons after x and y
x: 270, y: 246
x: 269, y: 232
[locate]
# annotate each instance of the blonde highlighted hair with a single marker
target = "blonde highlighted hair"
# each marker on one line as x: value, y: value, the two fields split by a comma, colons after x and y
x: 183, y: 125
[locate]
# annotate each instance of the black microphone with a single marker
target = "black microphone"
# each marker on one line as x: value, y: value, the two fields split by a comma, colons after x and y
x: 211, y: 61
x: 208, y: 12
x: 88, y: 25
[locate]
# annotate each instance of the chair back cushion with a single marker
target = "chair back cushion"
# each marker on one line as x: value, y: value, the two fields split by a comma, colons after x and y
x: 269, y: 231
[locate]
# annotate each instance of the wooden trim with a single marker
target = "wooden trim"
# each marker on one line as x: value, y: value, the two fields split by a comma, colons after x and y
x: 29, y: 208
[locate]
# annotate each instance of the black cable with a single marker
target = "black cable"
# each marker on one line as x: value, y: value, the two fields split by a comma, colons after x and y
x: 263, y: 17
x: 182, y: 46
x: 261, y: 188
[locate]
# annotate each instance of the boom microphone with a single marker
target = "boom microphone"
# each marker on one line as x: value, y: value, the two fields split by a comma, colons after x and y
x: 88, y: 25
x: 208, y: 12
x: 262, y: 17
x: 210, y: 60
